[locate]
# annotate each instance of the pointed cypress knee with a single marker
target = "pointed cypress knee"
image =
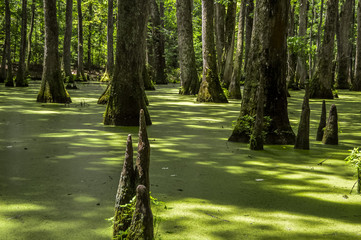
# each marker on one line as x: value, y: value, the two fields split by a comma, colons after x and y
x: 302, y: 139
x: 330, y: 135
x: 142, y: 222
x: 126, y: 190
x: 143, y: 157
x: 322, y: 123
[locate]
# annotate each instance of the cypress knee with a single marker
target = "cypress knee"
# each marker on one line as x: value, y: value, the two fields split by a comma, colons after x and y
x: 302, y: 139
x: 330, y: 135
x: 322, y: 123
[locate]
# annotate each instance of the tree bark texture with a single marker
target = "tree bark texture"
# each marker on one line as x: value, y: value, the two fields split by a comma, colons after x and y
x: 28, y: 54
x: 67, y: 41
x: 110, y: 40
x: 80, y: 71
x: 210, y: 89
x: 52, y: 88
x: 303, y: 134
x: 90, y: 16
x: 322, y: 123
x: 219, y: 23
x: 344, y: 45
x: 188, y: 72
x: 249, y: 30
x: 356, y: 85
x: 301, y: 69
x: 330, y: 135
x: 292, y: 56
x: 20, y: 79
x: 268, y: 56
x: 235, y: 86
x: 256, y: 140
x: 127, y: 95
x: 6, y: 68
x: 321, y: 83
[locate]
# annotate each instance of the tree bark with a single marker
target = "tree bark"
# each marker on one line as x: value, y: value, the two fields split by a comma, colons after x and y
x: 219, y: 21
x: 292, y: 55
x: 52, y: 88
x: 21, y: 76
x: 249, y: 29
x: 322, y: 123
x: 321, y: 86
x: 356, y: 85
x: 110, y: 41
x: 90, y: 16
x: 6, y: 68
x: 235, y: 86
x: 330, y: 135
x: 303, y: 134
x: 301, y: 69
x: 210, y: 89
x: 127, y: 96
x: 28, y: 58
x: 67, y: 42
x: 268, y: 56
x: 344, y: 45
x: 188, y: 72
x: 80, y: 72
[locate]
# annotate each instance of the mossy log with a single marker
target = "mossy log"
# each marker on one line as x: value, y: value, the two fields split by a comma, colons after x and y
x: 330, y: 135
x: 322, y: 123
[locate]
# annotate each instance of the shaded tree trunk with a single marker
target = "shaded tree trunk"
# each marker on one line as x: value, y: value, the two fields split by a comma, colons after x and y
x: 80, y: 72
x: 219, y: 21
x: 28, y: 58
x: 356, y: 85
x: 110, y: 41
x: 268, y: 56
x: 67, y: 44
x: 21, y: 76
x: 330, y: 136
x: 319, y: 34
x: 235, y: 86
x: 6, y: 68
x: 127, y: 96
x: 303, y: 134
x: 90, y: 16
x: 292, y: 56
x: 301, y: 69
x: 322, y: 123
x: 249, y: 29
x: 210, y: 89
x: 187, y: 61
x: 344, y: 45
x: 256, y: 139
x: 52, y: 88
x: 321, y: 83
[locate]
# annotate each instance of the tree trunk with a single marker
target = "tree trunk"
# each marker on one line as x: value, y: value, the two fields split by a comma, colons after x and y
x: 268, y: 57
x: 256, y: 139
x: 158, y: 44
x: 90, y: 16
x: 126, y: 94
x: 292, y: 55
x: 110, y: 41
x: 67, y: 42
x: 319, y: 34
x: 219, y: 21
x: 187, y: 61
x: 322, y: 123
x: 330, y: 135
x: 227, y: 61
x: 301, y: 69
x: 27, y: 63
x: 80, y: 72
x: 321, y: 82
x: 344, y: 45
x: 21, y: 76
x: 235, y: 86
x: 6, y: 68
x: 356, y: 85
x: 52, y: 88
x: 210, y: 89
x: 303, y: 134
x: 249, y: 29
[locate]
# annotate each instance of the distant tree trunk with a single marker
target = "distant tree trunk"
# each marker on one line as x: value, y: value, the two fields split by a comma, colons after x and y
x: 80, y: 71
x: 292, y: 56
x: 210, y: 89
x: 235, y: 86
x: 52, y: 88
x: 27, y: 63
x: 67, y: 41
x: 344, y: 44
x: 90, y: 16
x: 110, y: 41
x: 249, y: 29
x: 356, y: 85
x: 219, y: 21
x: 21, y: 76
x: 268, y: 56
x: 158, y: 43
x: 187, y: 61
x: 227, y: 61
x: 301, y: 69
x: 7, y: 66
x: 127, y: 96
x: 319, y: 34
x: 321, y: 82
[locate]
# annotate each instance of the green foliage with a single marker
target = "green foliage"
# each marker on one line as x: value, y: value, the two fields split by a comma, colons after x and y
x: 226, y: 92
x: 300, y: 46
x: 354, y: 158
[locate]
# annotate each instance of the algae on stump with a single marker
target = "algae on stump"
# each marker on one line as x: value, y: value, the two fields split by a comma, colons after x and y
x: 322, y: 123
x: 330, y: 135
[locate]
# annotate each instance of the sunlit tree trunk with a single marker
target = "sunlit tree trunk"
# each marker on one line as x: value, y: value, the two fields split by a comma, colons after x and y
x: 67, y: 41
x: 110, y: 41
x: 249, y: 29
x: 80, y: 71
x: 301, y: 69
x: 219, y: 22
x: 52, y: 88
x: 28, y: 54
x: 356, y: 85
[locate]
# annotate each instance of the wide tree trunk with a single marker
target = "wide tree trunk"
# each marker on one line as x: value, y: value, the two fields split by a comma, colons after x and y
x: 28, y: 54
x: 249, y: 29
x: 80, y: 72
x: 210, y: 89
x: 344, y: 45
x: 110, y: 41
x: 356, y: 85
x: 6, y: 66
x: 321, y: 83
x: 301, y: 69
x: 127, y: 96
x: 268, y: 57
x: 188, y: 72
x: 219, y: 23
x: 158, y: 44
x: 52, y: 88
x: 235, y: 86
x: 67, y: 42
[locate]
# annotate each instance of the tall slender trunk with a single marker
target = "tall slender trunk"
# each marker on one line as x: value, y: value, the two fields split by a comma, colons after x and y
x: 110, y: 39
x: 356, y: 85
x: 292, y: 55
x: 301, y: 69
x: 21, y: 76
x: 249, y: 29
x: 80, y: 71
x: 319, y: 35
x: 28, y: 58
x: 67, y: 42
x: 8, y: 65
x: 90, y: 16
x: 219, y: 23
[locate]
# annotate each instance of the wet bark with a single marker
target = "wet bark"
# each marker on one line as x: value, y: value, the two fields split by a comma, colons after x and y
x: 127, y: 95
x: 67, y: 44
x: 28, y: 54
x: 235, y: 86
x: 322, y: 123
x: 303, y: 135
x: 268, y: 58
x: 210, y: 89
x: 188, y: 72
x: 80, y: 72
x: 249, y: 29
x: 301, y: 69
x: 52, y: 88
x: 321, y: 83
x: 330, y: 135
x: 356, y: 85
x: 344, y: 45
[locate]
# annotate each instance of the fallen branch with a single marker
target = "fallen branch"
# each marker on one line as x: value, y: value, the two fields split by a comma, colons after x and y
x: 217, y: 217
x: 353, y: 186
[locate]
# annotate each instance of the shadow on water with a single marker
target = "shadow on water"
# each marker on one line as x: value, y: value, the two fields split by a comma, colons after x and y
x: 60, y: 169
